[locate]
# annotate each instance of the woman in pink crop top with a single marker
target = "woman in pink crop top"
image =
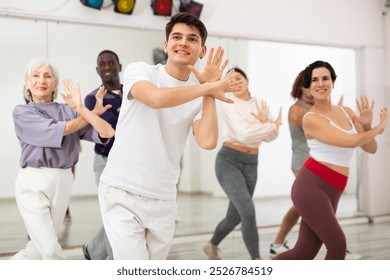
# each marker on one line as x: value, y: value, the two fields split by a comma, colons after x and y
x: 318, y: 187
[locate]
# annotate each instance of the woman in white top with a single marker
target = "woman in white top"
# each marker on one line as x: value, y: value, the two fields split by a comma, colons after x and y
x: 332, y: 133
x: 247, y: 124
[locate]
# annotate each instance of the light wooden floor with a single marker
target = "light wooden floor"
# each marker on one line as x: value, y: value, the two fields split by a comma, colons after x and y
x: 199, y: 214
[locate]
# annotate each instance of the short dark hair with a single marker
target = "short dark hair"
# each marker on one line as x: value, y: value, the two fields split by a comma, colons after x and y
x: 238, y: 70
x: 317, y: 64
x: 296, y: 91
x: 108, y: 51
x: 189, y: 20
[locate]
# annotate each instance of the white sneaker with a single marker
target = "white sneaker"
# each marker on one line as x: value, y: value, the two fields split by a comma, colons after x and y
x: 351, y: 256
x: 276, y: 249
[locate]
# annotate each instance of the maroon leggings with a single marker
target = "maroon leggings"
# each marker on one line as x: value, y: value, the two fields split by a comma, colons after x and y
x: 316, y: 201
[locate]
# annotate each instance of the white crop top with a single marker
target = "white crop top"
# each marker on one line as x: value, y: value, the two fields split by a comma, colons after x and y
x: 336, y: 155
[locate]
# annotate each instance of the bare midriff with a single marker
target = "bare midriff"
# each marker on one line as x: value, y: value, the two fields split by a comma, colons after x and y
x: 244, y: 149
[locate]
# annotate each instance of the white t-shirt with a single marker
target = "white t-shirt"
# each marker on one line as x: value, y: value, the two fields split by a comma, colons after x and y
x: 145, y: 157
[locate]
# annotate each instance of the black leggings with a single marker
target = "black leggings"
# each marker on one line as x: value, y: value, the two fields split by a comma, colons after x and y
x: 316, y: 201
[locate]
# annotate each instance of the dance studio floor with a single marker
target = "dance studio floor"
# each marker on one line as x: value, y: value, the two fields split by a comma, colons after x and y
x: 198, y: 216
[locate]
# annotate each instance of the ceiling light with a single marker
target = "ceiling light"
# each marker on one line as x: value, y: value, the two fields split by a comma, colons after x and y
x: 162, y: 7
x: 96, y: 4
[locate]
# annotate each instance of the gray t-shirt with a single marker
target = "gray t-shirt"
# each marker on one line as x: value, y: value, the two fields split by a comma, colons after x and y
x: 40, y: 130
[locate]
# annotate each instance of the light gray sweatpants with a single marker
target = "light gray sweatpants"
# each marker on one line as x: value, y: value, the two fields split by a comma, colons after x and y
x: 237, y: 174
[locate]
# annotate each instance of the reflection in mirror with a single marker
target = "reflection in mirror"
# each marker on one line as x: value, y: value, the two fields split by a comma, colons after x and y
x: 271, y: 68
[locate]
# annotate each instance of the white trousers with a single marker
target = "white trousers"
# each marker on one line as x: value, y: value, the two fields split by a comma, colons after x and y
x: 138, y: 228
x: 42, y: 196
x: 98, y: 246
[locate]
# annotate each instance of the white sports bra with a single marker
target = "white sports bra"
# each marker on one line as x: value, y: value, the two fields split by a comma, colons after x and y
x: 336, y: 155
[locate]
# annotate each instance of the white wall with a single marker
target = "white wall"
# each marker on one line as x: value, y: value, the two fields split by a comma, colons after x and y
x: 379, y: 197
x: 375, y: 173
x: 340, y: 23
x: 321, y: 22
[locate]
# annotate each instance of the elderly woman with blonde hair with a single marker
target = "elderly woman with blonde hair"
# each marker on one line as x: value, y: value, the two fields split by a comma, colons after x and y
x: 49, y: 134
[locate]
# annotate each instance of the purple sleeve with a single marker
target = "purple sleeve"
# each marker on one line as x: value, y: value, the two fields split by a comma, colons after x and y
x: 88, y: 133
x: 38, y: 130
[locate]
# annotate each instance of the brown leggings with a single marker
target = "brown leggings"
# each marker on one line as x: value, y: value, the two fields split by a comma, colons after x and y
x: 316, y: 201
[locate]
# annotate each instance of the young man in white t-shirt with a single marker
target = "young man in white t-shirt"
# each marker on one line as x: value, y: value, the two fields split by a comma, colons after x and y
x: 161, y: 103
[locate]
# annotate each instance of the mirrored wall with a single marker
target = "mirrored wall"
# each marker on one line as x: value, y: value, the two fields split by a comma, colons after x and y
x: 72, y: 48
